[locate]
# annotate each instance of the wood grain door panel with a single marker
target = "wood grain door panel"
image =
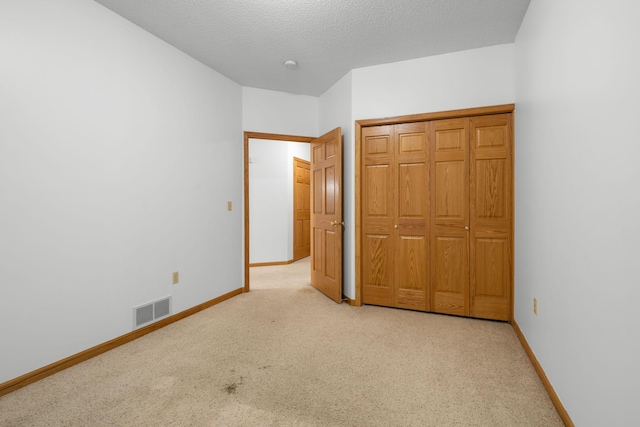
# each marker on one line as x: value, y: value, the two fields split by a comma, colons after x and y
x: 491, y: 213
x: 378, y: 216
x: 326, y: 214
x: 302, y: 209
x: 411, y: 214
x: 450, y: 273
x: 412, y: 275
x: 396, y: 215
x: 450, y: 217
x: 378, y: 274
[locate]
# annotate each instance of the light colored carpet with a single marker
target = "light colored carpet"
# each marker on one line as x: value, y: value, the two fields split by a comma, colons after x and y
x: 286, y: 355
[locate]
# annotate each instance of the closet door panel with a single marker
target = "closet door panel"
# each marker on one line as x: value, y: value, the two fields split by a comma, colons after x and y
x: 450, y: 273
x: 491, y: 177
x: 413, y: 180
x: 378, y: 271
x: 450, y: 205
x: 449, y: 217
x: 378, y: 211
x: 491, y: 280
x: 411, y: 272
x: 412, y: 216
x: 491, y: 213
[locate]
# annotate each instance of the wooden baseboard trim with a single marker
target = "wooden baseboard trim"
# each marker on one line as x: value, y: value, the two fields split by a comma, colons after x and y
x: 55, y: 367
x: 269, y: 264
x: 543, y: 377
x: 348, y: 300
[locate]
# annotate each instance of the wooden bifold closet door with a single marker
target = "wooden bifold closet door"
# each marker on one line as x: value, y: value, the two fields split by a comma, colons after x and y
x: 450, y: 217
x: 396, y: 200
x: 437, y: 216
x: 491, y: 217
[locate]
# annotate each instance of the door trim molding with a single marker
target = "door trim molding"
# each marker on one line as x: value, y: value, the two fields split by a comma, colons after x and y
x: 450, y: 114
x: 359, y: 124
x: 266, y: 136
x: 271, y: 264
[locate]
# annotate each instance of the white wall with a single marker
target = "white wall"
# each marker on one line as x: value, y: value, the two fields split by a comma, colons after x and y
x: 279, y: 112
x: 577, y: 203
x: 118, y: 155
x: 471, y: 78
x: 271, y: 198
x: 335, y: 111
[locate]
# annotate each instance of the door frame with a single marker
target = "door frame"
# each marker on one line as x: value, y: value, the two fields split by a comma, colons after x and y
x: 265, y: 136
x: 359, y: 124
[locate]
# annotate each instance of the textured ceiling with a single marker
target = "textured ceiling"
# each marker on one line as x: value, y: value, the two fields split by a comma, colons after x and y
x: 249, y: 40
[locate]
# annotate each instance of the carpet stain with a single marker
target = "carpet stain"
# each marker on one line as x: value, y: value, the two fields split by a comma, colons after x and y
x: 233, y: 387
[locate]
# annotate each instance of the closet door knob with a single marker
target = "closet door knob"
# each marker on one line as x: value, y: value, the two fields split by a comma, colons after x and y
x: 466, y: 228
x: 395, y: 226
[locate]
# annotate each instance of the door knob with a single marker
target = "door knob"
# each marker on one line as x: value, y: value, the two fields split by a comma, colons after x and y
x: 395, y: 226
x: 466, y: 228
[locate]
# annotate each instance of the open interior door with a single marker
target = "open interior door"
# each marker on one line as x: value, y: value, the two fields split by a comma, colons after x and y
x: 326, y: 214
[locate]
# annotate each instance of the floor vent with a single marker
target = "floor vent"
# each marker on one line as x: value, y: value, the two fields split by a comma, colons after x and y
x: 150, y: 312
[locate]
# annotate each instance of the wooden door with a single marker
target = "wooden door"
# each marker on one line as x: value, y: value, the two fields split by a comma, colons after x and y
x: 378, y: 215
x: 445, y: 213
x: 395, y: 216
x: 411, y: 216
x: 450, y: 217
x: 301, y: 208
x: 326, y: 214
x: 491, y: 213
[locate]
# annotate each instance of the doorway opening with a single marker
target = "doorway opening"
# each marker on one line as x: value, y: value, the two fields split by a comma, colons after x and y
x: 263, y: 222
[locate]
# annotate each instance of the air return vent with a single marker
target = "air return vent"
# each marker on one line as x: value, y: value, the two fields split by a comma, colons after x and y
x: 152, y: 311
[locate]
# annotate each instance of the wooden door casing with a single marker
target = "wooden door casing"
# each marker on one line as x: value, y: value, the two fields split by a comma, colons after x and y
x: 247, y: 229
x: 301, y: 208
x: 326, y: 214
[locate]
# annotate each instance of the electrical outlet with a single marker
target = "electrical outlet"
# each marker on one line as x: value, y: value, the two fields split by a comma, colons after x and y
x: 229, y: 206
x: 176, y: 277
x: 535, y: 306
